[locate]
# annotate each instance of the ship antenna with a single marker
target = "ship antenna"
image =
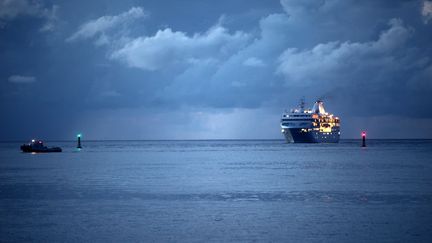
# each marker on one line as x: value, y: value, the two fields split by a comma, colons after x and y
x: 302, y: 103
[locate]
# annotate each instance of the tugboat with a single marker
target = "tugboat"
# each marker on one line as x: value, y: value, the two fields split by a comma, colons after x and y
x: 38, y: 147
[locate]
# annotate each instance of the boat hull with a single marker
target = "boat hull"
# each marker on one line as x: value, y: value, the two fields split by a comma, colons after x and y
x: 30, y: 149
x: 298, y: 135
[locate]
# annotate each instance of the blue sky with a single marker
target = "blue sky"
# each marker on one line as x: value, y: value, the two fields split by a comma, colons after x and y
x: 212, y: 69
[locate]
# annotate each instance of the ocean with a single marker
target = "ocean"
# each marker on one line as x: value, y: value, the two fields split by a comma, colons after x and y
x: 218, y: 191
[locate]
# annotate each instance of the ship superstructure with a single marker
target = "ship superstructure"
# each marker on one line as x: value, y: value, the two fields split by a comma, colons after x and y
x: 314, y: 125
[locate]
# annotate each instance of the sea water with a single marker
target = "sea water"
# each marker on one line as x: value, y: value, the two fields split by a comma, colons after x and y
x: 218, y: 191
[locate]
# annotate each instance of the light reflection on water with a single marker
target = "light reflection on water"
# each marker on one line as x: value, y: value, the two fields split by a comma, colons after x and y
x: 218, y: 190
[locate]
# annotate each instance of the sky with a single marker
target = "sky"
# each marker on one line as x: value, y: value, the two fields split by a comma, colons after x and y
x: 202, y: 69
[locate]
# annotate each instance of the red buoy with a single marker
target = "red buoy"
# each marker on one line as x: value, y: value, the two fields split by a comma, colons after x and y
x: 363, y: 134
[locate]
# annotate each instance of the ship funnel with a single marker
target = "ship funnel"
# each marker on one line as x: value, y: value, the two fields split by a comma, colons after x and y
x: 318, y: 107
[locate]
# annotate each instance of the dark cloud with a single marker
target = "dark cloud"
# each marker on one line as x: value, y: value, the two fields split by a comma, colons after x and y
x: 13, y: 9
x: 427, y: 11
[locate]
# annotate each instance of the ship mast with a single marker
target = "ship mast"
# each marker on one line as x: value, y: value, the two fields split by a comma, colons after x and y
x: 302, y: 104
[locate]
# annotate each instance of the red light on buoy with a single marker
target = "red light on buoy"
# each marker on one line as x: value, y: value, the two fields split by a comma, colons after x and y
x: 363, y: 138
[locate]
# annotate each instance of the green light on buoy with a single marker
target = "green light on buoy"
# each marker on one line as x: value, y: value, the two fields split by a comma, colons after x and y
x: 79, y: 140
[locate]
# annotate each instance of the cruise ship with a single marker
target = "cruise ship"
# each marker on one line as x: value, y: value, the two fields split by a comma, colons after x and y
x: 314, y: 125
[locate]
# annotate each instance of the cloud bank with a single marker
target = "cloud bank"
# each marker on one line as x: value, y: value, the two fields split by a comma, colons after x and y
x: 167, y: 48
x: 225, y: 68
x: 346, y: 61
x: 369, y: 60
x: 99, y: 27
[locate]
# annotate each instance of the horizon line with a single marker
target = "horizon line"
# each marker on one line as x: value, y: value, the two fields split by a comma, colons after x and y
x: 211, y: 139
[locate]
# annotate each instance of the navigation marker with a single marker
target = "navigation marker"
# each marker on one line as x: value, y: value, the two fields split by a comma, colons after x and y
x: 79, y: 140
x: 363, y: 139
